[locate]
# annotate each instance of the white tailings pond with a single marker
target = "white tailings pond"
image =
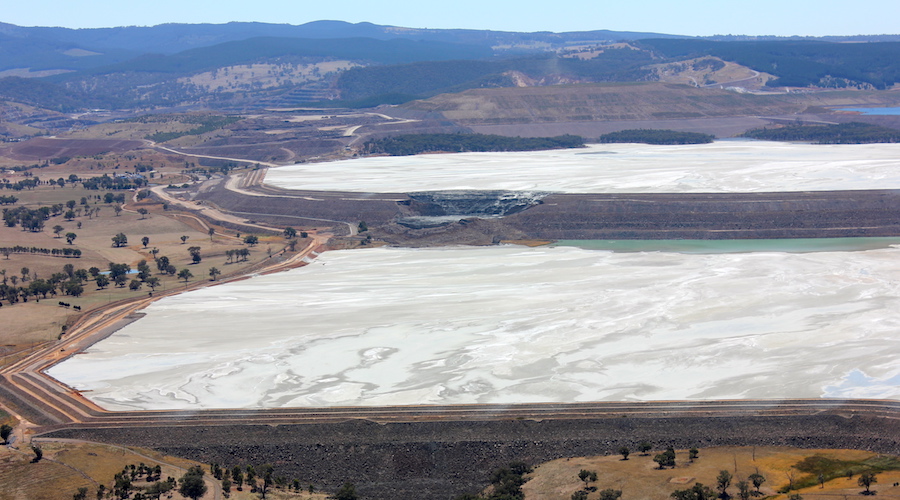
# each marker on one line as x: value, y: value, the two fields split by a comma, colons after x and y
x: 513, y: 324
x: 724, y: 166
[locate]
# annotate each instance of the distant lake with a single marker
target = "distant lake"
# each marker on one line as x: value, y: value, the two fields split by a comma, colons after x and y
x: 793, y: 245
x: 874, y: 111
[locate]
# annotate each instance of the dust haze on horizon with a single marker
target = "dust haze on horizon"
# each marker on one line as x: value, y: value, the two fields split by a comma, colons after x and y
x: 691, y: 17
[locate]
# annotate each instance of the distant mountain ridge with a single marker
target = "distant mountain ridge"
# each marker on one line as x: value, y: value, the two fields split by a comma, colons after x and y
x: 173, y: 38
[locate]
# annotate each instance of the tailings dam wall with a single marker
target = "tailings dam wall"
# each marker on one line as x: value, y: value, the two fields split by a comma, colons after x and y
x: 440, y: 460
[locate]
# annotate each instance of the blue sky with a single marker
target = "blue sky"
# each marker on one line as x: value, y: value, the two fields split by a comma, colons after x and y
x: 684, y: 17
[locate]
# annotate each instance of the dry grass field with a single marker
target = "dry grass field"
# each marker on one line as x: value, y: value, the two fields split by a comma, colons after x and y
x: 639, y: 478
x: 67, y: 466
x: 28, y: 324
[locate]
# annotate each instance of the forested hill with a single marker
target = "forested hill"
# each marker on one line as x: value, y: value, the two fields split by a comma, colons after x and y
x: 366, y: 50
x: 798, y: 63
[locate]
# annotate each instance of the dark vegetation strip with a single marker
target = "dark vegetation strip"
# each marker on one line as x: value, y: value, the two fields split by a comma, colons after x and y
x: 655, y: 136
x: 404, y: 145
x: 843, y: 133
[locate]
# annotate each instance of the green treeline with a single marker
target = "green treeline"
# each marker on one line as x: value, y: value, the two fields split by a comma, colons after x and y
x: 411, y: 144
x: 843, y: 133
x: 654, y: 136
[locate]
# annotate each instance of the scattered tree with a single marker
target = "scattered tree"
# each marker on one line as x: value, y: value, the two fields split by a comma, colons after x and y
x: 697, y: 492
x: 185, y: 274
x: 102, y: 281
x: 213, y: 272
x: 251, y: 239
x: 290, y: 232
x: 587, y: 476
x: 191, y: 485
x: 693, y: 453
x: 723, y: 481
x: 143, y: 211
x: 5, y: 432
x: 195, y: 254
x: 58, y: 229
x: 145, y: 240
x: 70, y: 237
x: 744, y: 490
x: 644, y: 447
x: 610, y: 494
x: 120, y: 240
x: 757, y: 479
x: 347, y: 492
x: 184, y: 238
x: 624, y: 451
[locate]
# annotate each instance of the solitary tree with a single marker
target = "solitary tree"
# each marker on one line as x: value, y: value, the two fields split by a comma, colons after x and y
x: 644, y: 447
x: 58, y: 229
x: 70, y: 237
x: 251, y: 239
x: 143, y: 212
x: 184, y: 238
x: 624, y: 451
x: 117, y: 209
x: 290, y: 232
x: 145, y: 240
x: 213, y: 272
x: 38, y: 453
x: 693, y: 453
x: 866, y: 480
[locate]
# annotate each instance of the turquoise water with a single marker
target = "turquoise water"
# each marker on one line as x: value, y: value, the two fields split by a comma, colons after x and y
x: 874, y: 111
x: 796, y: 245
